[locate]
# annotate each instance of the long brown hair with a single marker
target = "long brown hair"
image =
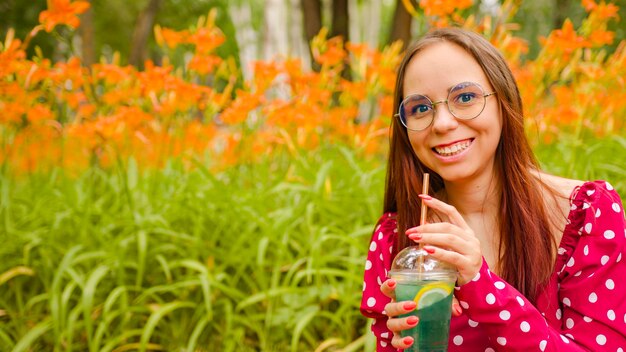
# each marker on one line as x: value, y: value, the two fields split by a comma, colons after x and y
x: 527, y: 247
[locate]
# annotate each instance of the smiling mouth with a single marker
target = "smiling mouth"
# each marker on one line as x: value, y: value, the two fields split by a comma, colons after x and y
x: 453, y: 149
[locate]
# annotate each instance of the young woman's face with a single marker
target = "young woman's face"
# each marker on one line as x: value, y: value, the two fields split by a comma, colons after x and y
x: 458, y: 150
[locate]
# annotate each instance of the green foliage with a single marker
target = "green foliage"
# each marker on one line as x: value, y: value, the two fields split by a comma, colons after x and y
x: 537, y: 18
x: 263, y: 257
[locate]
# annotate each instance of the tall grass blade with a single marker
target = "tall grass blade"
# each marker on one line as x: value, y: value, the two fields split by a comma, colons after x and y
x: 156, y: 317
x: 27, y: 341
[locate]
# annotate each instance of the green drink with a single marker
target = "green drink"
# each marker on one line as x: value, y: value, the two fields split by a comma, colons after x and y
x: 430, y: 284
x: 434, y: 303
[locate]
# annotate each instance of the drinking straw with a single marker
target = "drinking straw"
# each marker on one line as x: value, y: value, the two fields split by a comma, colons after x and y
x: 424, y: 191
x: 420, y: 259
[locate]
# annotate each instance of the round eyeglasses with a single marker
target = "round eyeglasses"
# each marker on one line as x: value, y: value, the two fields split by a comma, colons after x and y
x: 465, y: 101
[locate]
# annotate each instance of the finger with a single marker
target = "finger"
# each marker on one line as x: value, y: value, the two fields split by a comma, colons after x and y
x: 400, y: 324
x: 388, y: 288
x: 394, y: 309
x: 456, y: 307
x: 447, y: 209
x: 440, y: 228
x: 401, y: 342
x: 467, y: 265
x: 449, y: 256
x: 446, y: 240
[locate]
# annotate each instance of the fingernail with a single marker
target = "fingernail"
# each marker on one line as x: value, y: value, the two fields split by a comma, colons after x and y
x: 407, y: 341
x: 415, y: 236
x: 429, y: 250
x: 425, y: 196
x: 458, y: 309
x: 412, y: 320
x: 391, y: 284
x: 409, y: 306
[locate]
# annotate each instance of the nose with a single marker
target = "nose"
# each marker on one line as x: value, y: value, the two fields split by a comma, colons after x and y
x: 443, y: 120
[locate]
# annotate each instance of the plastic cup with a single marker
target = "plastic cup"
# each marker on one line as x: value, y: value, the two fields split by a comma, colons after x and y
x: 430, y: 283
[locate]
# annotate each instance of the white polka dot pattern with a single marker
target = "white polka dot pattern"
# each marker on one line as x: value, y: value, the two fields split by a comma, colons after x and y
x: 567, y: 302
x: 577, y: 308
x: 610, y: 314
x: 524, y: 326
x: 458, y: 340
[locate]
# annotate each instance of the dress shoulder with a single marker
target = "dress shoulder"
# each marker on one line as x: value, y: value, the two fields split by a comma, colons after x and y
x: 593, y: 203
x: 595, y: 225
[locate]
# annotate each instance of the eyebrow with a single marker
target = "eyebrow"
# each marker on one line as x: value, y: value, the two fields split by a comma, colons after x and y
x: 457, y: 85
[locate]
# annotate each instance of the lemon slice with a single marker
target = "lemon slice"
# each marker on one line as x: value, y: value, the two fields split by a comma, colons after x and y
x: 431, y: 294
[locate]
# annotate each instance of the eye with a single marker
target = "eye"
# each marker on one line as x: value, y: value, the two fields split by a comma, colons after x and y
x: 420, y: 109
x: 465, y: 98
x: 417, y: 107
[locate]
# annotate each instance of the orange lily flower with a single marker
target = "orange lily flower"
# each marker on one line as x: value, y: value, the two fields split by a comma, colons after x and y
x: 62, y: 12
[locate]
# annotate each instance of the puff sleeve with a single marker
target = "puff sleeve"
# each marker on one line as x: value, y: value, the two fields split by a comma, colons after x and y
x: 379, y: 258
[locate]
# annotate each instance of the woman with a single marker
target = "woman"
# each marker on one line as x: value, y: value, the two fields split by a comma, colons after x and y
x: 539, y: 257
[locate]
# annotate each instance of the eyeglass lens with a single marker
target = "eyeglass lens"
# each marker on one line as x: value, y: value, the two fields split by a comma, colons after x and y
x: 465, y: 101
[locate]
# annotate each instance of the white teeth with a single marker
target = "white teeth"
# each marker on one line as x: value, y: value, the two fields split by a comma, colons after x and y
x: 454, y: 149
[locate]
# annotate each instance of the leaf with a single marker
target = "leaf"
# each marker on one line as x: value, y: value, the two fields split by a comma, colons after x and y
x: 26, y: 343
x: 304, y: 318
x: 156, y: 317
x: 16, y: 271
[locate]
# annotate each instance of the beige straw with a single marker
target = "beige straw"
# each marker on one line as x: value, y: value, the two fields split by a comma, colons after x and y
x: 425, y: 187
x: 424, y: 191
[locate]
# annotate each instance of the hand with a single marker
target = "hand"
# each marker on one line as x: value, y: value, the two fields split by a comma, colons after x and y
x: 462, y: 247
x: 393, y: 309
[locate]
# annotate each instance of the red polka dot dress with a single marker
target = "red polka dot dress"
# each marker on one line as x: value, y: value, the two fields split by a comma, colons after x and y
x: 582, y: 308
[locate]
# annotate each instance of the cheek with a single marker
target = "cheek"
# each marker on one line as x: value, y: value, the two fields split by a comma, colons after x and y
x: 414, y: 141
x: 418, y: 144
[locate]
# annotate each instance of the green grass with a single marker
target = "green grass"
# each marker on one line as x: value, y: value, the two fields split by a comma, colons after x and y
x: 264, y: 257
x: 260, y: 257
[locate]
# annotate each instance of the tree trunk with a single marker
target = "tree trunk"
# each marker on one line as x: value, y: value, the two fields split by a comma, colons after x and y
x: 275, y: 40
x: 561, y: 12
x: 312, y: 14
x: 372, y: 23
x: 340, y: 20
x: 401, y: 24
x: 298, y: 46
x: 86, y: 32
x: 143, y: 28
x: 247, y: 38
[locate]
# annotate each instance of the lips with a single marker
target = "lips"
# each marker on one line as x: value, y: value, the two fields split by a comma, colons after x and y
x: 453, y: 148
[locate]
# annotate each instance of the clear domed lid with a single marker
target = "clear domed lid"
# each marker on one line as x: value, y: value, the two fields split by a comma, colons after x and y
x: 413, y: 259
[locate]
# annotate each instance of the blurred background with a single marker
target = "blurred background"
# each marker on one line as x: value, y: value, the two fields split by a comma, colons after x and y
x: 264, y: 29
x: 195, y: 175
